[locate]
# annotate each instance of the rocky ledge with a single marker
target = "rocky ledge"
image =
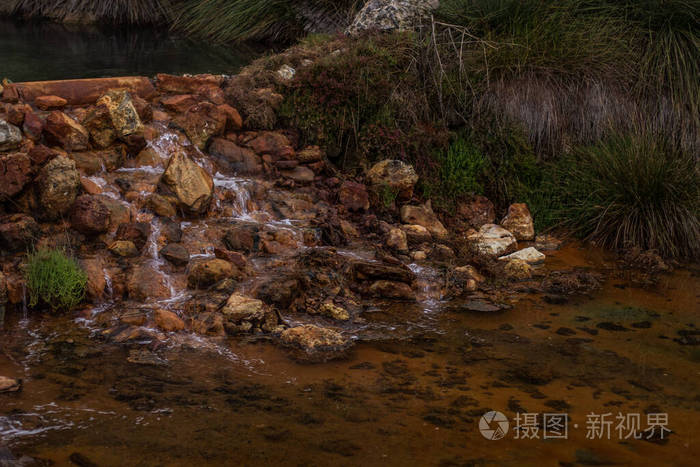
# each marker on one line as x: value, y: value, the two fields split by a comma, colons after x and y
x: 188, y: 218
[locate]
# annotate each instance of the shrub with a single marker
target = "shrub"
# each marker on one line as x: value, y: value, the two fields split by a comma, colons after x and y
x: 633, y: 191
x: 55, y: 279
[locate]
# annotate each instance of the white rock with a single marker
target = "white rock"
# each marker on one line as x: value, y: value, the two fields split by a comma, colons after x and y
x: 529, y: 255
x: 493, y: 240
x: 286, y: 72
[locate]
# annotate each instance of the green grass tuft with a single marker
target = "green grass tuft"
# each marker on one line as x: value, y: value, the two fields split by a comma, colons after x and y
x: 55, y: 279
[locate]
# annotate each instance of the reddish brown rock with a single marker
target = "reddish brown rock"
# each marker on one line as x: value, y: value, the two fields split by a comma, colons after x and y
x: 477, y: 212
x: 354, y: 196
x: 15, y: 113
x: 201, y: 122
x: 78, y: 91
x: 136, y: 232
x: 392, y: 290
x: 50, y: 102
x: 41, y: 154
x: 33, y: 126
x: 62, y: 130
x: 238, y: 159
x: 272, y: 143
x: 238, y: 259
x: 203, y: 274
x: 147, y: 282
x: 99, y: 125
x: 18, y: 232
x: 178, y: 103
x: 213, y: 94
x: 143, y: 107
x: 233, y: 118
x: 89, y: 215
x: 168, y: 321
x: 96, y: 282
x: 299, y: 174
x: 15, y: 173
x: 186, y: 84
x: 518, y: 221
x: 90, y: 187
x: 176, y: 254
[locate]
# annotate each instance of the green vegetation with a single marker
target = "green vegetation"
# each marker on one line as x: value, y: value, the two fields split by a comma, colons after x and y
x: 632, y: 191
x: 55, y: 279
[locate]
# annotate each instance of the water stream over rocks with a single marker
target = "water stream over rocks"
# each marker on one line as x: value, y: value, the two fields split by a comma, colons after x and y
x: 242, y: 312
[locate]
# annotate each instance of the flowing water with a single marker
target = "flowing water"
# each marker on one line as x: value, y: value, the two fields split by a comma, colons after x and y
x: 36, y: 51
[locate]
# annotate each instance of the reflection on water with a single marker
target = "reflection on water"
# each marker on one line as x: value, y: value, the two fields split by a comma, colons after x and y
x: 35, y: 51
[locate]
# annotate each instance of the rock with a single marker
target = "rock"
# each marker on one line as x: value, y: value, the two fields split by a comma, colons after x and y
x: 168, y: 321
x: 147, y: 282
x: 178, y: 103
x: 96, y: 281
x: 477, y: 212
x: 125, y: 119
x: 273, y: 143
x: 10, y: 385
x: 99, y: 124
x: 89, y: 215
x: 176, y: 254
x: 10, y: 136
x: 201, y: 122
x: 390, y: 15
x: 519, y: 222
x: 119, y: 211
x: 309, y: 155
x: 242, y: 237
x: 58, y: 186
x: 319, y: 344
x: 529, y: 255
x: 186, y: 84
x: 15, y: 114
x: 63, y: 131
x: 396, y: 239
x: 33, y: 126
x: 124, y: 248
x: 18, y: 232
x: 238, y: 259
x: 136, y: 232
x: 160, y: 205
x: 392, y: 290
x: 394, y: 175
x: 479, y: 306
x: 334, y: 311
x: 190, y: 183
x: 354, y: 196
x: 281, y: 291
x: 239, y: 160
x: 233, y: 118
x: 299, y: 174
x: 424, y: 215
x: 372, y: 271
x: 419, y: 255
x: 468, y: 273
x: 493, y: 240
x: 90, y: 187
x: 50, y: 102
x: 240, y: 308
x: 417, y: 234
x: 546, y: 242
x: 41, y: 154
x: 286, y: 73
x: 15, y: 173
x: 209, y: 324
x: 206, y: 273
x: 517, y: 269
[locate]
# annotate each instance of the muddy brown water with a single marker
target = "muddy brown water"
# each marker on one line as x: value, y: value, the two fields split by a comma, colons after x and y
x: 405, y: 395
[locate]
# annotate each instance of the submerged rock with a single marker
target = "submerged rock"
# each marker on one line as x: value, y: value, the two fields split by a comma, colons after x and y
x: 493, y: 240
x: 519, y: 222
x: 316, y: 343
x: 190, y: 183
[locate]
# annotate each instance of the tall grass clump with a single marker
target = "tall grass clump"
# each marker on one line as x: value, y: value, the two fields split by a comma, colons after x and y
x: 108, y: 11
x: 270, y: 20
x: 55, y: 280
x: 633, y: 191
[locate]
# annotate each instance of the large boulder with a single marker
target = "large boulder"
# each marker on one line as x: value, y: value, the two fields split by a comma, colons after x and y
x: 519, y: 222
x: 390, y: 15
x: 10, y: 136
x: 125, y: 119
x: 201, y: 122
x: 239, y: 160
x: 393, y: 175
x: 15, y: 173
x: 63, y: 131
x: 18, y: 232
x: 90, y: 215
x: 190, y: 183
x: 493, y: 240
x: 58, y: 185
x: 424, y: 216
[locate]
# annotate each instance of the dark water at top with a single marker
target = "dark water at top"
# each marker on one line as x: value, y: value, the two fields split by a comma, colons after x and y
x: 34, y: 51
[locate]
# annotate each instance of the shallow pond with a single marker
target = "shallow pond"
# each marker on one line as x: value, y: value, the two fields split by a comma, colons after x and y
x: 36, y: 51
x: 414, y: 396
